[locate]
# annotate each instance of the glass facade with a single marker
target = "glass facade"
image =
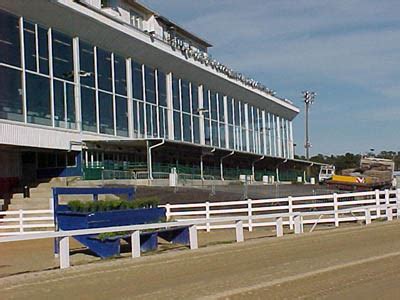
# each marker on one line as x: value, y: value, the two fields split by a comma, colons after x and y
x: 51, y: 79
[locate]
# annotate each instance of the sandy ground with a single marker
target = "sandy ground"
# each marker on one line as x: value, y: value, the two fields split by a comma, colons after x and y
x: 346, y: 263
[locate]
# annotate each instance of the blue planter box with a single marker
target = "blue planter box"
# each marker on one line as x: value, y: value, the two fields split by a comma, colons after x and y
x: 68, y: 220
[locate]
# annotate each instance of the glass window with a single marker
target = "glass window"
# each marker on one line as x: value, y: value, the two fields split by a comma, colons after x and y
x: 154, y: 120
x: 215, y: 137
x: 161, y: 116
x: 231, y: 137
x: 106, y: 113
x: 185, y: 96
x: 137, y: 81
x: 222, y: 135
x: 64, y: 105
x: 196, y: 129
x: 63, y: 64
x: 9, y: 39
x: 30, y: 46
x: 11, y: 94
x: 135, y: 118
x: 122, y: 116
x: 195, y: 99
x: 43, y: 50
x: 149, y: 129
x: 162, y: 89
x: 150, y: 85
x: 86, y: 60
x: 187, y: 128
x: 206, y: 103
x: 230, y: 110
x: 177, y: 126
x: 221, y: 108
x: 141, y: 118
x: 120, y: 75
x: 104, y: 70
x: 237, y: 113
x: 214, y: 112
x: 89, y: 119
x: 207, y: 135
x: 175, y: 93
x: 38, y: 99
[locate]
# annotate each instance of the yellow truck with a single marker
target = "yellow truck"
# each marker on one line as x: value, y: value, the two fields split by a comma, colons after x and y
x: 373, y: 173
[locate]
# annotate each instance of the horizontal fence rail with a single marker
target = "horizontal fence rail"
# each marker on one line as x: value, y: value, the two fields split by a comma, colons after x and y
x: 237, y: 222
x: 26, y: 221
x: 327, y: 205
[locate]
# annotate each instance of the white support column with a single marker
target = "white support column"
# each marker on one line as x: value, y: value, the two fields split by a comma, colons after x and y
x: 239, y: 232
x: 278, y: 132
x: 50, y: 49
x: 275, y: 136
x: 64, y: 252
x: 193, y: 237
x: 269, y: 135
x: 170, y: 107
x: 144, y: 101
x: 129, y: 89
x: 246, y: 117
x: 387, y: 199
x: 389, y: 213
x: 135, y: 244
x: 96, y: 84
x: 279, y: 227
x: 227, y: 137
x: 77, y: 87
x: 201, y: 115
x: 113, y: 91
x: 264, y: 133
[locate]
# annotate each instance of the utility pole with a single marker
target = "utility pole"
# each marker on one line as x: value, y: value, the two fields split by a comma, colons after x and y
x: 308, y: 100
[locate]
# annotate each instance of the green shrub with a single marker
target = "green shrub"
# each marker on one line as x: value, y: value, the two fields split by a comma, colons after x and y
x: 108, y: 205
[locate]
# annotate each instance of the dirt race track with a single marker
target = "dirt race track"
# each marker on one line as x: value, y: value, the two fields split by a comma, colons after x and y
x: 348, y: 263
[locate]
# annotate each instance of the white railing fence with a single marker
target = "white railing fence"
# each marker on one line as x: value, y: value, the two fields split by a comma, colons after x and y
x: 236, y: 222
x: 26, y: 221
x: 326, y: 208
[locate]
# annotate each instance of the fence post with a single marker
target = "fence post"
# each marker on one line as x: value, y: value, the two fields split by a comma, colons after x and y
x: 208, y: 227
x: 389, y: 213
x: 167, y: 211
x: 398, y: 203
x: 193, y: 237
x: 21, y: 221
x: 279, y: 227
x: 239, y: 231
x: 135, y: 244
x: 290, y: 205
x: 378, y: 203
x: 367, y: 216
x: 64, y: 252
x: 387, y: 201
x: 335, y: 208
x: 250, y: 214
x: 298, y: 224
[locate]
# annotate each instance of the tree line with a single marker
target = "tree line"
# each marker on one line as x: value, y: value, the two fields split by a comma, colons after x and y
x: 351, y: 160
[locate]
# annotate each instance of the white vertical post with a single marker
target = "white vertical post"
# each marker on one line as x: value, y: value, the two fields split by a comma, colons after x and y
x: 193, y: 237
x: 250, y: 214
x: 389, y: 213
x: 239, y: 231
x: 208, y: 216
x: 367, y: 216
x: 168, y: 211
x: 135, y: 244
x: 298, y: 224
x: 387, y: 200
x: 21, y: 220
x: 335, y: 208
x: 279, y: 227
x: 398, y: 203
x: 378, y: 202
x: 64, y: 252
x: 290, y: 206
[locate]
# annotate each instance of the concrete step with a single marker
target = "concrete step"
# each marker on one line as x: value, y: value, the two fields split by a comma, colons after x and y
x: 28, y: 206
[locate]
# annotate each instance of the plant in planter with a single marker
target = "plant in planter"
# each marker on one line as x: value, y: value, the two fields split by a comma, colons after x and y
x: 96, y: 214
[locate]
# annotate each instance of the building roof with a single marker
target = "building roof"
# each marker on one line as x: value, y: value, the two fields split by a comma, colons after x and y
x: 170, y: 23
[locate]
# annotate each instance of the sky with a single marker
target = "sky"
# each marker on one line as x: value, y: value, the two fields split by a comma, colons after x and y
x: 347, y: 51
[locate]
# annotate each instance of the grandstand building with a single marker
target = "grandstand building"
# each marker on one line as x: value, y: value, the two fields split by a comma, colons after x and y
x: 90, y: 85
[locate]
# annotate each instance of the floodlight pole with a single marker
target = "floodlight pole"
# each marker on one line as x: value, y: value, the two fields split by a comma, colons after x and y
x: 308, y: 100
